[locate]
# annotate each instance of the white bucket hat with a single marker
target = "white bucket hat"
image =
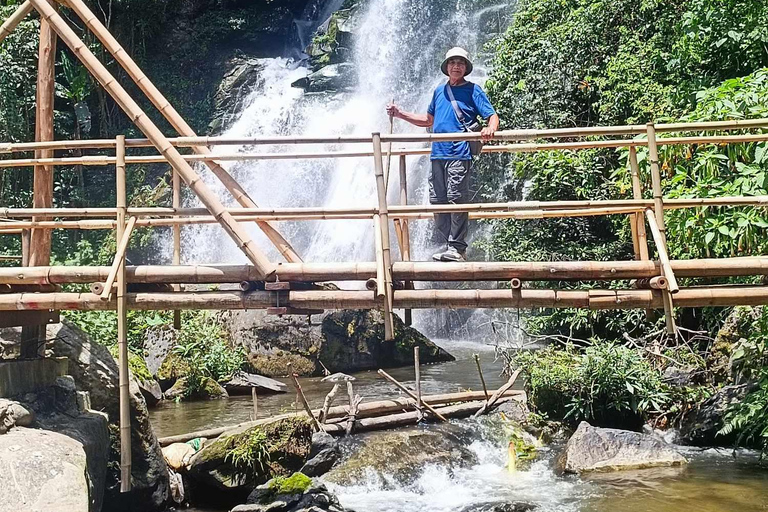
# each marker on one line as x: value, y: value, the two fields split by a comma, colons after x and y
x: 456, y: 52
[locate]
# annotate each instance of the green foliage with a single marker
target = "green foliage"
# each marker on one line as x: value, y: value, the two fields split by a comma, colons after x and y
x: 249, y: 453
x: 606, y: 384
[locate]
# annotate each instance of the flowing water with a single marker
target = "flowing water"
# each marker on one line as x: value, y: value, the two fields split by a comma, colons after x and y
x: 398, y: 46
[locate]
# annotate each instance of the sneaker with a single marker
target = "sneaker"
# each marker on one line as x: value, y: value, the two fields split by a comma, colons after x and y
x: 438, y: 256
x: 453, y: 254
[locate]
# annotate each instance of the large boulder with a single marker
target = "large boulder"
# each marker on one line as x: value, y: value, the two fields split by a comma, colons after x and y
x: 242, y: 383
x: 323, y: 454
x: 229, y: 101
x: 608, y: 449
x: 342, y: 341
x: 208, y: 389
x: 402, y: 455
x: 297, y: 493
x: 43, y: 471
x: 700, y: 426
x: 332, y: 41
x: 13, y: 414
x: 242, y: 459
x: 334, y: 77
x: 94, y: 370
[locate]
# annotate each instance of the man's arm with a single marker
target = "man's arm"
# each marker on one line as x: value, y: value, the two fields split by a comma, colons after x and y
x: 493, y: 125
x: 423, y: 120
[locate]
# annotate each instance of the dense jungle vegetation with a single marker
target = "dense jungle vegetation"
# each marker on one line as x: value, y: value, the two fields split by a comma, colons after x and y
x: 561, y: 63
x: 565, y: 63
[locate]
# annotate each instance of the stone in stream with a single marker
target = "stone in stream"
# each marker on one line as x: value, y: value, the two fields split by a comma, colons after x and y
x: 242, y: 383
x: 515, y: 506
x: 700, y: 426
x: 209, y: 389
x: 607, y: 449
x: 323, y: 454
x: 297, y: 493
x: 14, y: 414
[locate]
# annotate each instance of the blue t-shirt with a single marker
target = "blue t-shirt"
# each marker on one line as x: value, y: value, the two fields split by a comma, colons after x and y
x: 472, y: 102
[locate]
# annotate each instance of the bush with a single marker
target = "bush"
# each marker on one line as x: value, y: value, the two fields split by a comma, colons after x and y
x: 606, y: 384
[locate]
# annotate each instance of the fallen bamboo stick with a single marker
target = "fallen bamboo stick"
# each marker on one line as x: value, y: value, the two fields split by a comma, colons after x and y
x: 303, y: 399
x: 119, y: 258
x: 238, y: 234
x: 482, y: 379
x: 409, y: 393
x: 323, y: 417
x: 366, y: 410
x: 402, y: 271
x: 494, y: 398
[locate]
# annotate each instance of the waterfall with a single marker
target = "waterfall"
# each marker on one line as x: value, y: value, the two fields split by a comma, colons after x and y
x: 398, y: 47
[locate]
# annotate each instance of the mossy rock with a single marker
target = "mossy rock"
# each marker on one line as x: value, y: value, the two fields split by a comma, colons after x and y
x: 276, y: 365
x: 209, y: 389
x: 282, y: 449
x: 174, y: 367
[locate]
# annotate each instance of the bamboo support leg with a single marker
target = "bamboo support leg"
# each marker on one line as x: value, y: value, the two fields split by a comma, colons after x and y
x: 666, y: 268
x: 417, y: 372
x: 255, y: 400
x: 122, y: 328
x: 323, y: 417
x: 176, y: 203
x: 637, y: 193
x: 124, y: 237
x: 354, y: 409
x: 405, y: 247
x: 239, y: 235
x: 178, y: 123
x: 17, y: 17
x: 381, y: 188
x: 499, y: 392
x: 303, y: 399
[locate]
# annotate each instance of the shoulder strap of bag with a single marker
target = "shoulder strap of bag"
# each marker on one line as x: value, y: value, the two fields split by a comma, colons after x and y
x: 455, y: 105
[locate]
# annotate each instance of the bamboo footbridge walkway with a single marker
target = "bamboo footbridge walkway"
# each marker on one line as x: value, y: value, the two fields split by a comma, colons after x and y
x: 31, y: 293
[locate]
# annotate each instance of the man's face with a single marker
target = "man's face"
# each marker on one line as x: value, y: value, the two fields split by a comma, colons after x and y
x: 457, y: 67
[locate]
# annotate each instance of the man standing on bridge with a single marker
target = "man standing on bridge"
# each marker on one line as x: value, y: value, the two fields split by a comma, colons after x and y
x: 455, y: 107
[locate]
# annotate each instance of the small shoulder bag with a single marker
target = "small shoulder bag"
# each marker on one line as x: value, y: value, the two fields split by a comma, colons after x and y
x: 475, y: 146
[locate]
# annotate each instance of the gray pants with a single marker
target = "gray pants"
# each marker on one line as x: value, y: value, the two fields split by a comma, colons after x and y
x: 449, y: 184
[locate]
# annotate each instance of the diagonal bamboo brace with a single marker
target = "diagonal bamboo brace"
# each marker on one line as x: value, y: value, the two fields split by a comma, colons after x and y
x: 178, y: 122
x: 240, y: 236
x: 122, y: 246
x: 14, y: 19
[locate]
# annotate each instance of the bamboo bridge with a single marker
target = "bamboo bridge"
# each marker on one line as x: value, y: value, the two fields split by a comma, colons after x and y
x: 30, y: 294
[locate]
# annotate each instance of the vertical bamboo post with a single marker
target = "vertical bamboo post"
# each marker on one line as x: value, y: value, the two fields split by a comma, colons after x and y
x: 658, y: 207
x: 122, y: 337
x: 417, y: 367
x: 239, y: 235
x: 405, y: 248
x: 381, y: 188
x: 176, y: 203
x: 32, y: 343
x: 255, y: 399
x: 178, y: 122
x: 482, y: 379
x: 637, y: 193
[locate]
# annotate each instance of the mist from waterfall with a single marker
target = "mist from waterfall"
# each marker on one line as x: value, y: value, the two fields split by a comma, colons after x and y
x: 397, y: 50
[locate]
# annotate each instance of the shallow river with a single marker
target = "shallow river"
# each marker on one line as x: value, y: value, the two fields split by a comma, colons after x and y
x: 714, y: 481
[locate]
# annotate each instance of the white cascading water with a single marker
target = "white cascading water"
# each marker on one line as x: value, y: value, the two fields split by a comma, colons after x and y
x: 398, y: 47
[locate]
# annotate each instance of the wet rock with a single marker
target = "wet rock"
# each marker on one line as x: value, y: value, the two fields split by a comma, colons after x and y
x: 516, y: 506
x: 700, y: 426
x: 43, y: 470
x: 150, y: 390
x: 294, y: 494
x: 171, y: 369
x: 208, y: 389
x: 334, y: 77
x: 323, y: 454
x: 344, y: 341
x: 158, y: 343
x: 14, y: 414
x: 286, y: 449
x: 242, y: 383
x: 331, y: 43
x: 94, y: 370
x: 243, y: 76
x: 338, y: 377
x: 606, y: 449
x: 514, y: 410
x: 402, y: 455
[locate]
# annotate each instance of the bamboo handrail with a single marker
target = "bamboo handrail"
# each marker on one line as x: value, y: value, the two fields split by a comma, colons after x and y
x: 104, y: 160
x: 239, y: 235
x: 14, y: 19
x: 666, y: 267
x: 597, y: 299
x: 125, y: 238
x: 178, y: 122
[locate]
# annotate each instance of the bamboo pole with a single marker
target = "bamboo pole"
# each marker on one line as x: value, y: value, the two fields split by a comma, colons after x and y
x: 495, y: 397
x: 666, y: 266
x: 303, y: 399
x: 323, y: 418
x: 409, y: 393
x: 482, y: 379
x: 122, y: 321
x: 40, y: 241
x: 637, y: 193
x: 178, y: 123
x: 14, y: 19
x: 388, y: 164
x: 417, y: 372
x: 405, y: 249
x: 383, y: 233
x: 381, y: 283
x: 176, y: 203
x: 354, y: 408
x: 123, y: 241
x: 134, y: 112
x: 415, y: 271
x: 255, y: 400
